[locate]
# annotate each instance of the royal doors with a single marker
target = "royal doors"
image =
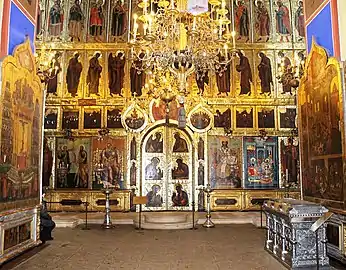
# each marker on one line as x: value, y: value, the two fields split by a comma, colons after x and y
x: 167, y: 169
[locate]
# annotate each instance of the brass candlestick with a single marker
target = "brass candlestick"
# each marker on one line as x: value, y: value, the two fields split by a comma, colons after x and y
x: 107, y: 223
x: 208, y: 223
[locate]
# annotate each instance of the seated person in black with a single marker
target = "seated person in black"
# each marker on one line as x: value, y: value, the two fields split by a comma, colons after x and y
x: 47, y: 224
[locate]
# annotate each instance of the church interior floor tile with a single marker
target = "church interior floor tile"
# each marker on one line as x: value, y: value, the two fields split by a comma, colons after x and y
x: 224, y: 247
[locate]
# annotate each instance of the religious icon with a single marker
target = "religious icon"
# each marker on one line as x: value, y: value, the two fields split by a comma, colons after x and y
x: 154, y: 199
x: 133, y: 174
x: 201, y: 207
x: 242, y: 19
x: 111, y: 159
x: 181, y: 171
x: 152, y: 171
x: 300, y: 21
x: 47, y: 163
x: 244, y: 118
x: 133, y: 149
x: 116, y: 73
x: 158, y: 109
x: 225, y: 164
x: 180, y: 144
x: 137, y: 76
x: 135, y: 120
x: 262, y: 24
x: 119, y: 19
x: 202, y: 78
x: 200, y: 174
x: 260, y: 157
x: 73, y: 73
x: 265, y: 73
x: 200, y: 120
x: 290, y: 159
x: 223, y: 77
x: 56, y: 19
x: 96, y: 19
x: 223, y: 119
x: 286, y: 71
x: 288, y: 118
x: 76, y: 19
x: 92, y: 119
x: 51, y: 119
x: 283, y: 23
x: 200, y: 149
x: 180, y: 197
x: 81, y: 178
x: 73, y: 163
x: 52, y: 78
x: 266, y: 118
x: 94, y: 74
x: 155, y: 143
x: 245, y: 74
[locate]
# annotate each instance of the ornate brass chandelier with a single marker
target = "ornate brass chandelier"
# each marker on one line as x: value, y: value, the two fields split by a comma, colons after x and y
x: 182, y: 38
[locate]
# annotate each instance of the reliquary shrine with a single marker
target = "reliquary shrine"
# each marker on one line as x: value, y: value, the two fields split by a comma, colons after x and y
x: 132, y: 104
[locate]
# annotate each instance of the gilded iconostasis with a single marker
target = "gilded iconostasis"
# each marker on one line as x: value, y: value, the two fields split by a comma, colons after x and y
x: 235, y: 128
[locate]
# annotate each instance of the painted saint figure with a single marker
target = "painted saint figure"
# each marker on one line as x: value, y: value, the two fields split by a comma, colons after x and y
x: 94, y: 74
x: 52, y: 79
x: 242, y: 20
x: 96, y: 20
x: 81, y: 178
x: 202, y: 79
x: 300, y: 21
x: 181, y: 171
x: 133, y: 173
x: 56, y: 19
x: 153, y: 198
x: 286, y: 66
x: 73, y: 73
x: 223, y: 77
x: 262, y: 21
x: 133, y: 149
x: 137, y: 77
x: 265, y: 73
x: 110, y: 158
x: 116, y: 73
x: 75, y: 24
x: 119, y: 22
x: 201, y: 149
x: 180, y: 198
x: 180, y: 144
x: 47, y: 164
x: 245, y: 74
x: 154, y: 143
x: 152, y: 171
x: 283, y: 24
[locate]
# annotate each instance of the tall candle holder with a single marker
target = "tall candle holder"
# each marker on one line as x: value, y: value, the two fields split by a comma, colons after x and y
x: 208, y: 223
x: 107, y: 223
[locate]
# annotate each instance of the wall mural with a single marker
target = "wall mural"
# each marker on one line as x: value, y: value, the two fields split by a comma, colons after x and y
x: 261, y: 162
x: 322, y: 129
x: 20, y: 136
x: 225, y: 163
x: 73, y: 160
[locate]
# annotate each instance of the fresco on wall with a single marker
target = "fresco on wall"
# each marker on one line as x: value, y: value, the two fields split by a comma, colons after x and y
x: 321, y: 130
x: 108, y: 161
x: 20, y: 125
x: 73, y: 163
x: 261, y: 162
x: 225, y: 161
